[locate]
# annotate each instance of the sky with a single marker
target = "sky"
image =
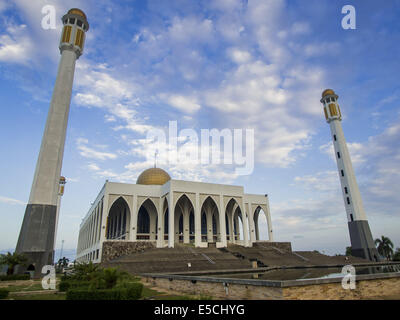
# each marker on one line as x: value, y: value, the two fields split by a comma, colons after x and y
x: 234, y: 64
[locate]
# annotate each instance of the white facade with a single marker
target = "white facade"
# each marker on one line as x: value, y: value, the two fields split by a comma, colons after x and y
x: 203, y: 213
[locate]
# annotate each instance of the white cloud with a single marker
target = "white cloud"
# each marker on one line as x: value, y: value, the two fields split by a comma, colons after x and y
x: 88, y: 152
x: 357, y: 152
x: 11, y: 201
x: 184, y: 104
x: 327, y: 181
x: 239, y: 56
x: 15, y: 45
x: 300, y: 28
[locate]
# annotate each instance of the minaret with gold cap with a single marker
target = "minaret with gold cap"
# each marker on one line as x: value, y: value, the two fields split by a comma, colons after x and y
x: 362, y: 244
x: 36, y: 239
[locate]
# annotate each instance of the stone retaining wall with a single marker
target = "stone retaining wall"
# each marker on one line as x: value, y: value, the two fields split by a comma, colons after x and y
x: 114, y: 249
x: 365, y: 289
x: 217, y: 290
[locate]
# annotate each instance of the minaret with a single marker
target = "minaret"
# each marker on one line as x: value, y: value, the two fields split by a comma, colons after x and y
x: 362, y: 244
x: 36, y: 239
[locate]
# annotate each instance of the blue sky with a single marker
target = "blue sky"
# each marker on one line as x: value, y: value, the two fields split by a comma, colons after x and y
x: 259, y: 65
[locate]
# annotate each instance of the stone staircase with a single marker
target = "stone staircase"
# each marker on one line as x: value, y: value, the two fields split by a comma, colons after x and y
x: 179, y: 259
x: 270, y: 255
x: 184, y: 258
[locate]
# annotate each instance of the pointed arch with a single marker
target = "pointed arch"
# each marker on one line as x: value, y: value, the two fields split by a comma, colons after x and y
x: 118, y: 220
x: 146, y: 220
x: 235, y: 224
x: 210, y: 228
x: 183, y: 208
x: 256, y: 217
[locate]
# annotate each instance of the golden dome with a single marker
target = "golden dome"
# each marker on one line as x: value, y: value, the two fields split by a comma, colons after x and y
x: 77, y: 11
x: 62, y: 178
x: 327, y: 92
x: 153, y: 176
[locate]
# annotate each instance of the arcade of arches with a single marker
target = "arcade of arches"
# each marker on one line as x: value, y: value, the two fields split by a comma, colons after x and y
x: 184, y: 212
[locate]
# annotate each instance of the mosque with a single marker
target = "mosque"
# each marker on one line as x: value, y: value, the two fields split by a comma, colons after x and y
x: 166, y: 212
x: 158, y: 210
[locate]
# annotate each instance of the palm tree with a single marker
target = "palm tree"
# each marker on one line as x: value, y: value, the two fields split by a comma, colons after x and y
x: 12, y: 260
x: 385, y: 247
x: 63, y: 262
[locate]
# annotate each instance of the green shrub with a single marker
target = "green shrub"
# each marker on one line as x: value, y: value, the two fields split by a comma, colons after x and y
x: 12, y: 277
x: 132, y: 291
x: 4, y: 293
x: 73, y: 284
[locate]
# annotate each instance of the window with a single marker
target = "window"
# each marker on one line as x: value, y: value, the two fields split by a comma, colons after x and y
x: 79, y: 23
x: 333, y: 99
x: 345, y: 190
x: 334, y: 137
x: 97, y: 253
x: 328, y: 100
x: 351, y: 217
x: 338, y: 155
x: 67, y: 34
x: 348, y: 200
x: 72, y: 20
x: 79, y: 38
x: 342, y: 173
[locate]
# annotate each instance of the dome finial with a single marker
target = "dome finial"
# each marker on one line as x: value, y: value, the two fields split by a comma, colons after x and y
x: 155, y: 158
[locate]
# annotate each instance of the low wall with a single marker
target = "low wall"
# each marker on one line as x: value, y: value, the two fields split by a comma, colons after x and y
x: 285, y: 246
x: 114, y: 249
x: 367, y: 287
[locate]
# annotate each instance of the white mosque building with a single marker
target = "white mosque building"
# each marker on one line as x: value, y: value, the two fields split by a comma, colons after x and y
x: 204, y: 214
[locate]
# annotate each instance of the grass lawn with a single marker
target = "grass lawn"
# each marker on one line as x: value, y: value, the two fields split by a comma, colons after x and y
x: 36, y: 286
x: 147, y: 293
x: 51, y: 296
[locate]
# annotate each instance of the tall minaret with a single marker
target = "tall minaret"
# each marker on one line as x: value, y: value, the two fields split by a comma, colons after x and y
x: 362, y: 244
x: 36, y: 239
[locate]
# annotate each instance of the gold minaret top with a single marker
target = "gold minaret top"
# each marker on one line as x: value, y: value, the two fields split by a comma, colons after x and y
x: 77, y: 11
x: 327, y: 92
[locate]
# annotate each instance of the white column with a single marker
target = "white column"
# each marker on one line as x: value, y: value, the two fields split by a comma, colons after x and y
x: 153, y: 230
x: 209, y: 224
x: 171, y: 221
x: 245, y: 219
x: 160, y: 227
x: 222, y: 223
x: 197, y: 221
x: 232, y: 227
x: 186, y: 213
x: 133, y: 219
x: 251, y: 224
x: 270, y: 231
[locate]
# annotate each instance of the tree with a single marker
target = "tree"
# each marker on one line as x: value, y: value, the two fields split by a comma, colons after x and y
x: 385, y: 247
x: 63, y: 262
x: 12, y: 260
x: 348, y: 251
x: 396, y: 256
